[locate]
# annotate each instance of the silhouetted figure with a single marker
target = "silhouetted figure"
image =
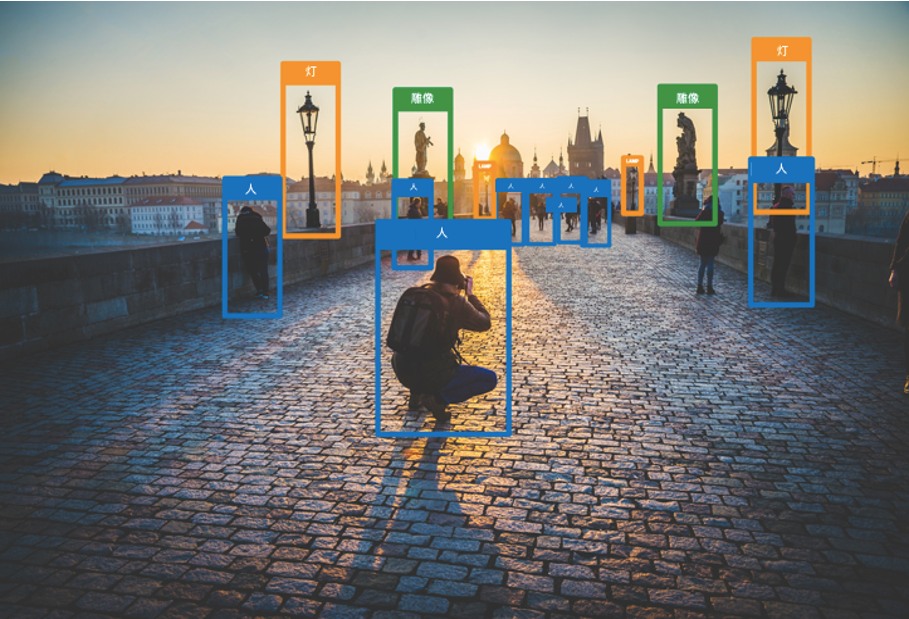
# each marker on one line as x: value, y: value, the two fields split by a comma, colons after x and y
x: 541, y: 213
x: 253, y: 234
x: 899, y: 279
x: 414, y: 212
x: 425, y: 359
x: 784, y: 239
x: 508, y: 212
x: 441, y: 209
x: 708, y: 244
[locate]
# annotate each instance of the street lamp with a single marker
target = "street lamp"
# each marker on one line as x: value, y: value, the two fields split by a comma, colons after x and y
x: 633, y: 177
x: 309, y: 118
x: 781, y: 96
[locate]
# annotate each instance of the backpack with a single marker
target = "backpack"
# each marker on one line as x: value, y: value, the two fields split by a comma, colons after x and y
x: 421, y: 323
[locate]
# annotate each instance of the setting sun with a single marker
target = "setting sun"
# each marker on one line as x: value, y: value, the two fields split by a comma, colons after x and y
x: 481, y: 152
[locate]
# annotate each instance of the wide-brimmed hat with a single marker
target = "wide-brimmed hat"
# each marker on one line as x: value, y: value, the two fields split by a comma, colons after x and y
x: 448, y: 271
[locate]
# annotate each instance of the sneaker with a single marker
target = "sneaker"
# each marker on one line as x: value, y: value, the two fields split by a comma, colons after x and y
x: 437, y: 407
x: 710, y: 290
x: 700, y: 289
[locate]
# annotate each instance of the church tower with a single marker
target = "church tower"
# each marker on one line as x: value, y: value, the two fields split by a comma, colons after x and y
x: 370, y: 176
x: 585, y: 155
x: 459, y: 174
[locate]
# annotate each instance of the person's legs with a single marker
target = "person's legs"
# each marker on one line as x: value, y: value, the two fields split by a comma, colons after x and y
x: 513, y: 227
x: 906, y: 350
x: 419, y: 254
x: 782, y: 256
x: 709, y: 262
x: 469, y: 381
x: 701, y: 268
x: 262, y: 265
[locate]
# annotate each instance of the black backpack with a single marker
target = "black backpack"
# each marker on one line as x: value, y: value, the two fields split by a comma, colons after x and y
x: 421, y: 324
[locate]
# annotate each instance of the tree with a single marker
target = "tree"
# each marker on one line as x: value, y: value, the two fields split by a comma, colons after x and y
x: 174, y: 220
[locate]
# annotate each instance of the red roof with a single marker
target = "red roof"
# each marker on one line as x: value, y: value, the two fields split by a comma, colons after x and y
x: 825, y: 179
x: 887, y: 184
x: 167, y: 201
x: 194, y: 225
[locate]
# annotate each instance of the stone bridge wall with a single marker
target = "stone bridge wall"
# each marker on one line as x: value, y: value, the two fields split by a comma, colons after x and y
x: 852, y: 271
x: 51, y: 301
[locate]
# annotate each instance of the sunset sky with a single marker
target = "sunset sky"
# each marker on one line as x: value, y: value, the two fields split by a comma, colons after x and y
x: 98, y: 89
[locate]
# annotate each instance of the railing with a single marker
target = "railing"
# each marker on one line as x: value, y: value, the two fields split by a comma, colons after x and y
x: 47, y: 302
x: 852, y: 271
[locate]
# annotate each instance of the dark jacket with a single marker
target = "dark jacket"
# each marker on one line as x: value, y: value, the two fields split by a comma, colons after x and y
x: 709, y: 239
x: 252, y: 231
x: 414, y: 212
x: 432, y: 375
x: 783, y: 225
x: 900, y: 264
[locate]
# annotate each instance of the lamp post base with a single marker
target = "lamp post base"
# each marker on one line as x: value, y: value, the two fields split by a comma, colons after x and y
x: 312, y: 218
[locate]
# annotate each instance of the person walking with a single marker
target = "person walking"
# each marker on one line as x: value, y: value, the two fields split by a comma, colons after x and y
x: 508, y: 211
x: 434, y: 378
x: 784, y: 239
x: 253, y: 233
x: 708, y: 244
x: 899, y: 279
x: 541, y: 212
x: 414, y: 212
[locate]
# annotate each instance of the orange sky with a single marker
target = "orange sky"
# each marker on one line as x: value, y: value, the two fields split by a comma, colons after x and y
x: 99, y: 89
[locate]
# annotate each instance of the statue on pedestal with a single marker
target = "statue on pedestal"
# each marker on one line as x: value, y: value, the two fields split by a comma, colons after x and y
x: 685, y: 202
x: 422, y: 142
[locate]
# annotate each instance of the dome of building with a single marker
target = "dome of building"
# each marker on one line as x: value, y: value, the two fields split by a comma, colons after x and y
x: 509, y: 159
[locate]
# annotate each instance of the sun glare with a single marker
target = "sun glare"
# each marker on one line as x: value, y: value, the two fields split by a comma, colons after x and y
x: 482, y: 152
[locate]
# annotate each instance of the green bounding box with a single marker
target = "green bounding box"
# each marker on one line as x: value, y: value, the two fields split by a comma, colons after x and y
x: 424, y: 99
x: 686, y: 97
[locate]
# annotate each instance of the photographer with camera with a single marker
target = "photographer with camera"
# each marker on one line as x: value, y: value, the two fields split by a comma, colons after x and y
x: 424, y: 337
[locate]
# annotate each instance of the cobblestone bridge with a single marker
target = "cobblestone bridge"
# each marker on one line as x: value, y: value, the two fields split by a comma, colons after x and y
x: 672, y: 455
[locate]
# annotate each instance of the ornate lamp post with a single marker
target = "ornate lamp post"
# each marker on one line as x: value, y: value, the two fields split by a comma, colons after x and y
x: 309, y: 118
x: 633, y: 177
x: 781, y: 96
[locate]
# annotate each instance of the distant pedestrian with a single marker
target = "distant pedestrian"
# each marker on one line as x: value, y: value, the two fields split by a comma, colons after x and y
x: 541, y: 212
x: 414, y: 212
x: 593, y: 215
x: 253, y: 234
x: 708, y: 244
x: 784, y: 239
x: 508, y: 212
x: 424, y: 335
x: 899, y: 279
x: 441, y: 209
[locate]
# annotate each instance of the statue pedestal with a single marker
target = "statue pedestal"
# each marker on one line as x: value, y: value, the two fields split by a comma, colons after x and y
x: 423, y: 174
x: 686, y: 204
x: 685, y: 207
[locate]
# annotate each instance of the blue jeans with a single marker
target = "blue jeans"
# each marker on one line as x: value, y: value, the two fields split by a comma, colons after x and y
x: 706, y: 265
x: 469, y: 382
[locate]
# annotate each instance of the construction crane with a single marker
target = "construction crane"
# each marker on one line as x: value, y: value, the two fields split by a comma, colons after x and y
x: 874, y: 161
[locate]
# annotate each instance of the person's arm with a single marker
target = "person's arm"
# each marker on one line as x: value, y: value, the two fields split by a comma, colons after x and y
x: 472, y: 315
x: 265, y: 229
x: 902, y: 247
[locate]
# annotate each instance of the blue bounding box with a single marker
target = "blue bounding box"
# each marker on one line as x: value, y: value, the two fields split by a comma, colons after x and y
x: 250, y: 189
x: 447, y: 235
x: 412, y: 188
x: 798, y: 171
x: 526, y: 186
x: 595, y: 189
x: 561, y: 205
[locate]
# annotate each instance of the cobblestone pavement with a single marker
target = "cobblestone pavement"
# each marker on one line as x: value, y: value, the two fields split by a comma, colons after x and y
x: 672, y: 456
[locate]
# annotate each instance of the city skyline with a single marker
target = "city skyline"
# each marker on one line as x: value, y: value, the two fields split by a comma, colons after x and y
x: 123, y: 89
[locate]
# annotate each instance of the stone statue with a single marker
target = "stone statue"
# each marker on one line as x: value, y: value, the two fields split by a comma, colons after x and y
x: 686, y: 142
x: 685, y: 173
x: 422, y: 142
